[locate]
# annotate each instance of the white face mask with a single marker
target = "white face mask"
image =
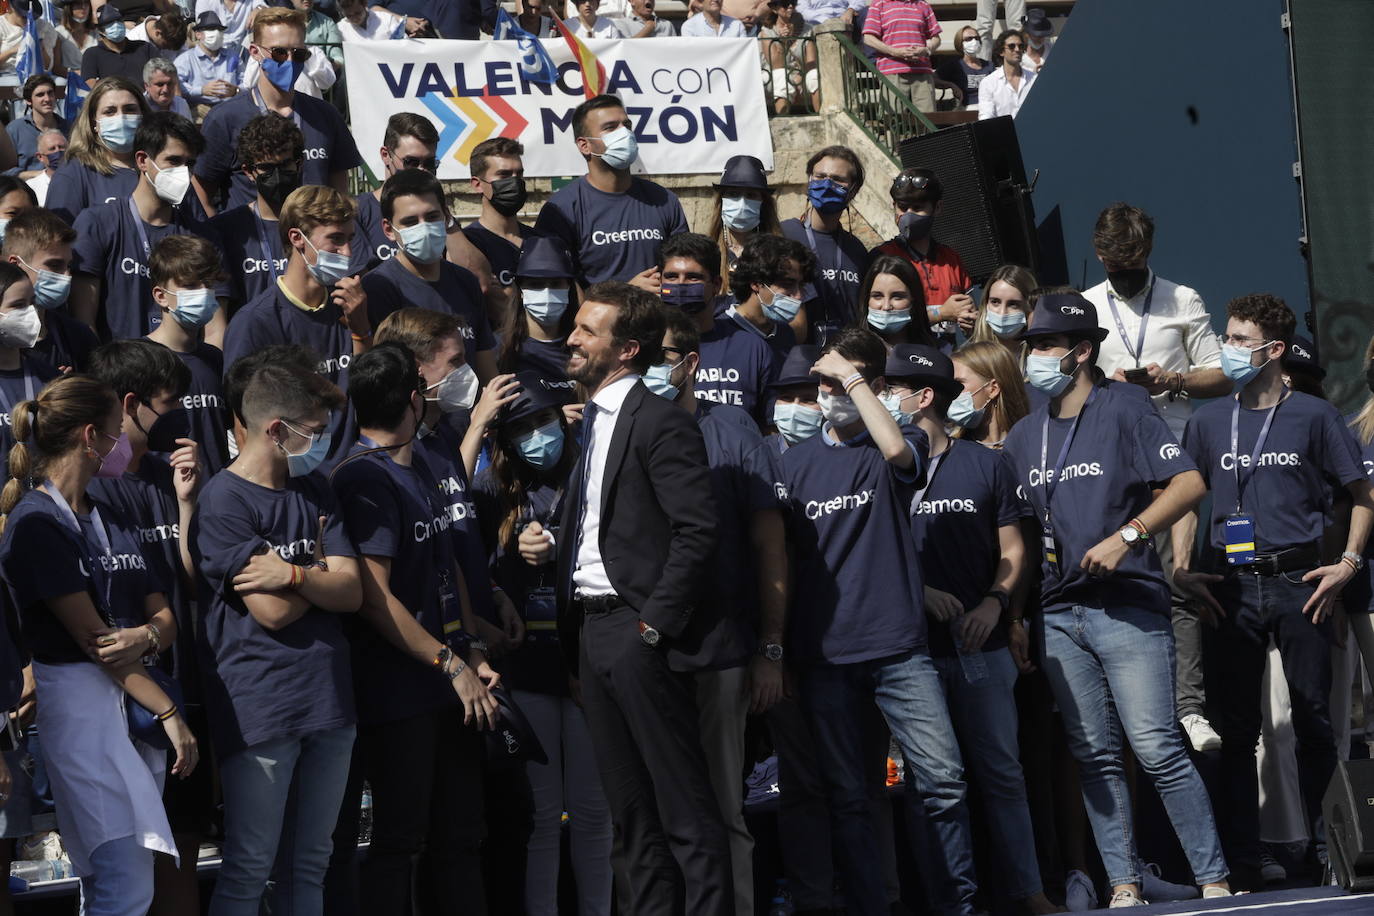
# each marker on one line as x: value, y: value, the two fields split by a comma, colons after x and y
x: 456, y: 391
x: 839, y: 409
x: 19, y: 328
x: 972, y: 47
x: 171, y: 184
x: 213, y: 39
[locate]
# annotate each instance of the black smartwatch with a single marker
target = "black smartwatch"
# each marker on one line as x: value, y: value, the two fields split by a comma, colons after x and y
x: 1002, y: 598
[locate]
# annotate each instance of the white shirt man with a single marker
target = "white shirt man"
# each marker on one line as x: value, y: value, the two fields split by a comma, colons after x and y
x: 996, y: 96
x: 589, y: 574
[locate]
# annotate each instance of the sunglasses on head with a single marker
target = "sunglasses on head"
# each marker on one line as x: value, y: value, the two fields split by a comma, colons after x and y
x: 297, y: 55
x: 910, y: 182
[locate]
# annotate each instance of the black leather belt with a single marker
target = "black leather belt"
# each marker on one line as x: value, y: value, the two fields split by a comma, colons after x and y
x: 599, y: 604
x: 1276, y: 563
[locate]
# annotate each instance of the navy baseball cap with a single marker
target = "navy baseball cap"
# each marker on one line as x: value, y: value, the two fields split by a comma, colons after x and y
x: 796, y: 367
x: 923, y: 367
x: 537, y: 393
x: 545, y: 257
x: 1064, y: 313
x: 1301, y: 355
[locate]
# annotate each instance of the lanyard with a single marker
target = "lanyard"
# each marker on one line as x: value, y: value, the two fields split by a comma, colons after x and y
x: 1051, y: 479
x: 267, y: 251
x: 1139, y: 350
x: 839, y: 261
x: 262, y: 106
x: 935, y: 464
x: 138, y: 225
x: 50, y: 490
x: 1259, y: 444
x: 28, y: 389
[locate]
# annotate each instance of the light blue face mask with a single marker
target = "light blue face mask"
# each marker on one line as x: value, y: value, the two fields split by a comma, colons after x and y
x: 50, y: 289
x: 1045, y: 375
x: 307, y: 461
x: 329, y: 268
x: 659, y: 380
x: 424, y: 242
x: 893, y: 403
x: 622, y: 148
x: 740, y: 213
x: 195, y: 308
x: 117, y: 131
x: 115, y: 31
x: 1006, y: 325
x: 962, y: 412
x: 781, y: 308
x: 796, y: 421
x: 888, y: 322
x: 542, y: 446
x: 1235, y: 362
x: 544, y: 305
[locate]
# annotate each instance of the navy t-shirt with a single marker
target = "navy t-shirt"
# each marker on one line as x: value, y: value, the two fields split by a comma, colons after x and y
x: 1120, y: 453
x: 501, y: 254
x: 780, y: 340
x: 440, y: 453
x: 390, y: 287
x: 547, y: 357
x: 744, y: 481
x: 108, y: 246
x: 251, y: 248
x: 1308, y: 451
x: 396, y: 512
x: 736, y: 367
x: 261, y: 684
x: 67, y: 343
x: 147, y: 502
x: 76, y: 188
x: 370, y: 244
x: 856, y: 585
x: 841, y: 262
x: 44, y: 558
x: 971, y: 493
x: 329, y: 146
x: 611, y: 236
x: 204, y: 401
x: 17, y: 385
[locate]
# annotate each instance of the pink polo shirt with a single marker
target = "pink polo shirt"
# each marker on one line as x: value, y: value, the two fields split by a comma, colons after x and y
x: 902, y: 24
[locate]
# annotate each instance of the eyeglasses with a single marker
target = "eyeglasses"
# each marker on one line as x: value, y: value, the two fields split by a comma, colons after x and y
x: 910, y: 182
x: 1236, y: 340
x: 1013, y: 47
x: 297, y: 55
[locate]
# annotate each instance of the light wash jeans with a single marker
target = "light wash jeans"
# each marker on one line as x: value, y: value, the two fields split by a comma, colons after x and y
x: 121, y: 883
x: 257, y: 786
x: 985, y: 718
x: 1112, y: 672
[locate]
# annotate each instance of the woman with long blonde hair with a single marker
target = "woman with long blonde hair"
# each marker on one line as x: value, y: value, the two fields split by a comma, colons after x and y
x: 1006, y: 306
x: 994, y: 397
x: 743, y: 207
x: 99, y: 165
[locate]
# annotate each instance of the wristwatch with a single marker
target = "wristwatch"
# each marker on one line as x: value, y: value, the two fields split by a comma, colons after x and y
x: 1002, y: 598
x: 649, y: 635
x: 479, y: 645
x: 1130, y: 535
x: 771, y: 651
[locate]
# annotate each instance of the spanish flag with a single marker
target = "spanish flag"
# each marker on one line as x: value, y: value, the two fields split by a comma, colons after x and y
x: 593, y: 74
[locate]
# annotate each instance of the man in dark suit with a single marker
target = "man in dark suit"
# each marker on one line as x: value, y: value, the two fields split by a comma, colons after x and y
x: 634, y: 543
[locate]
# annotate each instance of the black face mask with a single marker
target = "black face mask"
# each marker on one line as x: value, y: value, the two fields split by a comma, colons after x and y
x: 167, y: 429
x: 508, y: 195
x: 1128, y: 283
x: 1369, y: 376
x: 275, y: 185
x: 915, y: 227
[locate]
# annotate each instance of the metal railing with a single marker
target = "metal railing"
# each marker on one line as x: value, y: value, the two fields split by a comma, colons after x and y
x: 791, y: 74
x: 878, y: 107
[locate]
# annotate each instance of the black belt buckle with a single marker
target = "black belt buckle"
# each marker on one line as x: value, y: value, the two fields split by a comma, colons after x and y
x: 600, y: 604
x: 1266, y: 564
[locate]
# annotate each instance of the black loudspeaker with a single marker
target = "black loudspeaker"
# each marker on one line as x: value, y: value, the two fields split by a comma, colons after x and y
x: 987, y: 215
x: 1348, y: 808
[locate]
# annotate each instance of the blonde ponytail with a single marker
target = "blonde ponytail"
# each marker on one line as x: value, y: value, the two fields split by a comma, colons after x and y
x: 20, y: 464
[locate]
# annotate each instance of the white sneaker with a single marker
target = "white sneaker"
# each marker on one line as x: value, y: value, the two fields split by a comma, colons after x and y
x: 1209, y: 892
x: 1125, y: 898
x: 1201, y: 734
x: 1079, y: 893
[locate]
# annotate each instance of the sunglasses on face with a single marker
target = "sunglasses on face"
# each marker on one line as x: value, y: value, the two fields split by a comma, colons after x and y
x: 1014, y: 47
x: 427, y: 163
x: 297, y: 55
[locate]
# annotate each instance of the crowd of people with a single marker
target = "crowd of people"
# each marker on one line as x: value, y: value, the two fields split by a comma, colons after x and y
x: 558, y: 537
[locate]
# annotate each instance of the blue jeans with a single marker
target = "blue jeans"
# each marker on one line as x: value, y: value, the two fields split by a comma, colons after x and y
x: 257, y: 783
x: 121, y: 880
x: 985, y: 719
x: 907, y: 691
x: 1111, y: 670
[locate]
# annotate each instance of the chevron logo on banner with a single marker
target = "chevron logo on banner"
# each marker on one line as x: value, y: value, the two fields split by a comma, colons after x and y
x: 466, y: 121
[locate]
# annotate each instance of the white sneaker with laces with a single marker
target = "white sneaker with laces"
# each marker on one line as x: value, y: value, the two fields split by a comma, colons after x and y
x: 1200, y: 733
x: 1210, y: 892
x: 1079, y: 893
x: 1125, y: 898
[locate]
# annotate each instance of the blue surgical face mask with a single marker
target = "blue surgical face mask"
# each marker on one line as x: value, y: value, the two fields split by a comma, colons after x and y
x: 195, y: 308
x: 50, y: 289
x: 545, y: 305
x: 893, y: 402
x: 330, y: 267
x: 308, y: 460
x: 826, y: 196
x: 1008, y: 324
x: 740, y: 213
x: 117, y: 131
x: 962, y: 412
x: 781, y: 308
x: 115, y: 31
x: 659, y: 380
x: 1045, y: 375
x: 622, y: 148
x: 690, y: 297
x: 424, y: 242
x: 796, y: 421
x: 1235, y: 362
x: 283, y: 75
x: 888, y: 322
x: 543, y: 446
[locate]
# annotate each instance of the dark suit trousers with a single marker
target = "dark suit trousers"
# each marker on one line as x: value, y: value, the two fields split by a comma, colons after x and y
x: 643, y: 721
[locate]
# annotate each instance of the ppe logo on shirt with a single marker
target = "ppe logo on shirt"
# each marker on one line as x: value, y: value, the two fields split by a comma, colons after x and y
x: 132, y: 268
x: 1169, y: 451
x: 941, y: 506
x: 601, y: 237
x: 1299, y: 351
x: 781, y: 491
x: 262, y: 265
x: 1266, y: 460
x: 1071, y: 310
x: 201, y: 401
x: 300, y: 547
x: 1038, y: 478
x: 818, y: 509
x: 159, y: 533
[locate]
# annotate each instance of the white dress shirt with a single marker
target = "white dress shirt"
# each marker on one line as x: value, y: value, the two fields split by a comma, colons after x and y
x: 589, y: 573
x: 699, y: 26
x: 601, y: 28
x: 40, y: 183
x: 1179, y: 337
x: 996, y: 97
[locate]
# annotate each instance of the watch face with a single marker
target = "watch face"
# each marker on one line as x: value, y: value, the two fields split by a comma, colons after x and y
x: 773, y: 652
x: 1130, y: 535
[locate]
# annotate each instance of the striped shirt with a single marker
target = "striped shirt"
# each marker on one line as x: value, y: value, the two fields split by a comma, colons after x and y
x: 902, y: 24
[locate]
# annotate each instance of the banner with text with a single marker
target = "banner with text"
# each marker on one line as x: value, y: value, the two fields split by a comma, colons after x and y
x: 694, y: 102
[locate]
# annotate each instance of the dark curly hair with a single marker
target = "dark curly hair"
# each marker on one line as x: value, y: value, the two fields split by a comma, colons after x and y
x: 762, y: 259
x: 1271, y: 314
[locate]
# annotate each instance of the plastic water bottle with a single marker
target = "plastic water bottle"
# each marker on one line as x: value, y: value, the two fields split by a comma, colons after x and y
x: 782, y: 901
x: 975, y: 668
x: 42, y: 870
x: 365, y: 817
